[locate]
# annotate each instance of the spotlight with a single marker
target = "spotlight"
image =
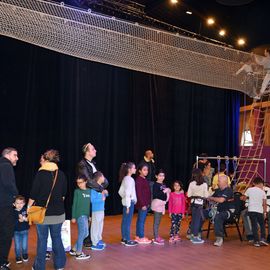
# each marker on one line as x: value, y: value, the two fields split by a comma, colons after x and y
x: 174, y: 2
x: 222, y: 32
x: 241, y: 41
x: 210, y: 21
x: 189, y: 12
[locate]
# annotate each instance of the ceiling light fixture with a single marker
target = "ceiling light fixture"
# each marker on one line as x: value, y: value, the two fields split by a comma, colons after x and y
x: 174, y: 2
x: 241, y: 41
x: 189, y: 12
x: 222, y: 32
x: 210, y: 21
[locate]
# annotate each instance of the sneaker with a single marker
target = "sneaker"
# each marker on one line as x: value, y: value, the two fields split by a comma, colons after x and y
x: 19, y: 260
x: 144, y: 241
x: 87, y: 245
x: 48, y: 255
x: 130, y: 243
x: 4, y: 267
x: 190, y: 236
x: 219, y: 242
x: 123, y: 241
x: 257, y: 97
x: 250, y: 237
x: 256, y: 244
x: 25, y: 257
x: 197, y: 240
x: 97, y: 247
x: 101, y: 243
x: 171, y: 240
x: 177, y: 238
x: 72, y: 252
x: 137, y: 238
x: 263, y: 242
x: 158, y: 241
x: 82, y: 256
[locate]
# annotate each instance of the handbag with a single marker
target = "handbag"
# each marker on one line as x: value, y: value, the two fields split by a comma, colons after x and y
x: 36, y: 214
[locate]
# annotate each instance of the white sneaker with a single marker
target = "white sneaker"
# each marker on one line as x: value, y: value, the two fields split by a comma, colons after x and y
x: 219, y: 242
x: 82, y: 256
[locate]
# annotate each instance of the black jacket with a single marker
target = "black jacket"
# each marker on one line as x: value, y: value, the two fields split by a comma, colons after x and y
x: 8, y: 189
x: 41, y: 189
x: 85, y: 170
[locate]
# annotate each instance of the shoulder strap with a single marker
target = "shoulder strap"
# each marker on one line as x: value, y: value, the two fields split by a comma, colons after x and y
x: 54, y: 181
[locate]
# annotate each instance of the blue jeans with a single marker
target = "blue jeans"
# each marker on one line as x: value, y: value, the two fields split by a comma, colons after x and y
x: 220, y: 218
x: 126, y: 221
x: 57, y: 246
x: 197, y: 219
x: 83, y: 232
x: 21, y: 243
x: 257, y: 218
x: 140, y: 223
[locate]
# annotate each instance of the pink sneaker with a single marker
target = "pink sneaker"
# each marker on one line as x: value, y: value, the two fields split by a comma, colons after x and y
x: 177, y: 238
x: 171, y: 240
x: 143, y: 240
x: 137, y: 238
x: 159, y: 241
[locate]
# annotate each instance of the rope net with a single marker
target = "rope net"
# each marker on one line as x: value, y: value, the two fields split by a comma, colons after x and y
x: 108, y: 40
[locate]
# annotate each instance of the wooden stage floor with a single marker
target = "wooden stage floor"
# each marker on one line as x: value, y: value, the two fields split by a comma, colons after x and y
x: 232, y: 255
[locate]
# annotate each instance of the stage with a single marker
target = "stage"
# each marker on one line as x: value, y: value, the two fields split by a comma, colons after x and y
x: 232, y: 255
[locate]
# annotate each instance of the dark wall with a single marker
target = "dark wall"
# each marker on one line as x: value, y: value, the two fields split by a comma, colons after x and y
x: 49, y: 100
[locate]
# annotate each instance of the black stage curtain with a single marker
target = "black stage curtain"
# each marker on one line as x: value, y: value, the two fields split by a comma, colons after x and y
x: 49, y: 100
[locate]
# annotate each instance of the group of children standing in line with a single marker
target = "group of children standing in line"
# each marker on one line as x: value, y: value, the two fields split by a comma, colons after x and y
x: 137, y: 193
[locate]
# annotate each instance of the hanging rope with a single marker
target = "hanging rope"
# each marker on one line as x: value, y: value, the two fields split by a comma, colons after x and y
x: 227, y: 163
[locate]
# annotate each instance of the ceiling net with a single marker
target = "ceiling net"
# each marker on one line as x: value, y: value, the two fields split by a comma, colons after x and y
x: 108, y: 40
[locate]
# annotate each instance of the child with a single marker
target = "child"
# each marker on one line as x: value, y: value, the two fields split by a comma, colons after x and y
x: 160, y: 197
x: 98, y: 205
x: 256, y: 210
x: 143, y: 194
x: 177, y: 209
x: 21, y: 230
x: 128, y: 194
x: 197, y: 191
x: 80, y: 214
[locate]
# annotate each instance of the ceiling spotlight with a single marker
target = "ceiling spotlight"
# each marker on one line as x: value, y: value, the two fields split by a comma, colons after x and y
x: 222, y: 32
x: 241, y: 41
x: 174, y: 1
x: 210, y: 21
x: 189, y: 12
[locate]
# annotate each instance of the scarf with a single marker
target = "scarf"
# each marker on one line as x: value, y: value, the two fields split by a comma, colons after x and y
x: 48, y: 166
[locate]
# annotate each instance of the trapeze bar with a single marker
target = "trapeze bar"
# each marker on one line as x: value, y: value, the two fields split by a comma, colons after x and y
x: 231, y: 158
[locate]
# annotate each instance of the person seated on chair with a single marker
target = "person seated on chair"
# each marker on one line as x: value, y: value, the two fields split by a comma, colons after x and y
x: 221, y: 172
x: 224, y: 197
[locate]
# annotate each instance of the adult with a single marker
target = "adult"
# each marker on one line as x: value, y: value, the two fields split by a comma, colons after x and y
x: 265, y: 62
x: 205, y: 166
x: 8, y: 191
x: 206, y: 172
x: 55, y: 213
x: 223, y: 196
x: 86, y: 169
x: 221, y: 172
x: 148, y: 159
